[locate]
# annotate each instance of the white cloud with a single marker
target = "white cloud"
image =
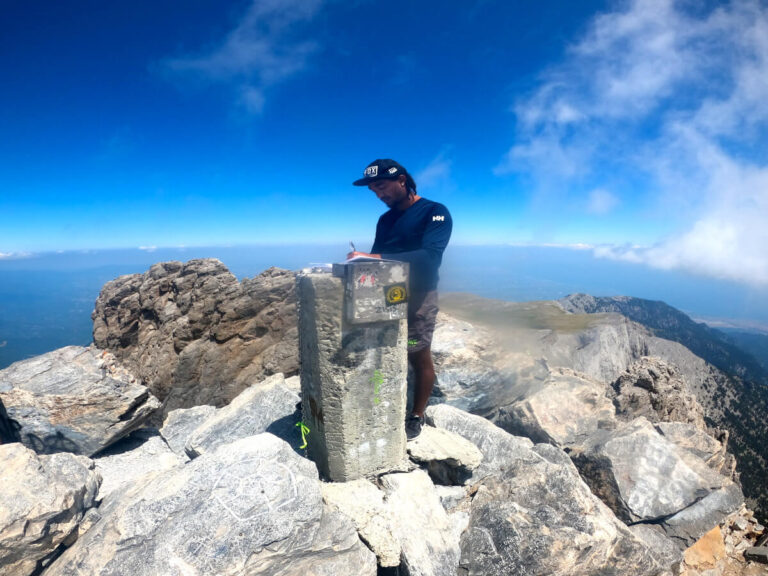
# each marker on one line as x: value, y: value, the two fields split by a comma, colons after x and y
x: 263, y: 50
x: 677, y: 94
x: 148, y: 248
x: 14, y: 255
x: 436, y: 175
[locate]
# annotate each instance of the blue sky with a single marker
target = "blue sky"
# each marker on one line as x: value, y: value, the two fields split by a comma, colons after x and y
x: 637, y: 130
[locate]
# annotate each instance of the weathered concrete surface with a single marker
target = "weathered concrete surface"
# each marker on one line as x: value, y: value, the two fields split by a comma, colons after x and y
x: 414, y: 504
x: 364, y: 504
x: 194, y: 334
x: 250, y: 413
x: 353, y: 380
x: 250, y: 507
x: 449, y: 458
x: 43, y: 498
x: 73, y: 399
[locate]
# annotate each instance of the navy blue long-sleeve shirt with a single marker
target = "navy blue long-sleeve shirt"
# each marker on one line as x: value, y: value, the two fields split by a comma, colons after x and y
x: 417, y: 236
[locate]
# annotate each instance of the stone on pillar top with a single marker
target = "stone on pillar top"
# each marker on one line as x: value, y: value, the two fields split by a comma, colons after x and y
x: 354, y: 367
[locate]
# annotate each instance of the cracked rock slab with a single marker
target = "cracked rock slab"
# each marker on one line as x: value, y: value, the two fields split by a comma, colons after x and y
x: 249, y: 507
x: 449, y: 458
x: 43, y: 500
x: 361, y: 501
x: 73, y: 400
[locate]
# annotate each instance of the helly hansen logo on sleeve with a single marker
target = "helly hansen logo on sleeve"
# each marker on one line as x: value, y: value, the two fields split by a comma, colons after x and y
x: 438, y: 218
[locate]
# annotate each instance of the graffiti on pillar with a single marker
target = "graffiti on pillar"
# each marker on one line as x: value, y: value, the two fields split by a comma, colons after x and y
x: 377, y: 379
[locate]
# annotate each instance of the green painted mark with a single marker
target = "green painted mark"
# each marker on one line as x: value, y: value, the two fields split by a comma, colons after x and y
x: 378, y: 380
x: 412, y: 342
x: 304, y: 433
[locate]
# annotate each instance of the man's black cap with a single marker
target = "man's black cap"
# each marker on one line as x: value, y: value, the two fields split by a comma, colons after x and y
x: 385, y: 169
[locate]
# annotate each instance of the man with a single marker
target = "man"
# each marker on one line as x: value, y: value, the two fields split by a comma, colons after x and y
x: 414, y: 230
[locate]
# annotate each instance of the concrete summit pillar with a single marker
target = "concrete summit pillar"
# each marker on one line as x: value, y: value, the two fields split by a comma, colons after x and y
x: 354, y: 366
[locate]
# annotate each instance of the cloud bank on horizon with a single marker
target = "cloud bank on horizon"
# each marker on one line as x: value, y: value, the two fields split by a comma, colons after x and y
x: 679, y: 96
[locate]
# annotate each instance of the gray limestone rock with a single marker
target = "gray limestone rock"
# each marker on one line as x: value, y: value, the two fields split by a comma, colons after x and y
x: 691, y: 523
x: 43, y: 498
x: 73, y: 399
x: 497, y: 446
x: 656, y: 390
x: 565, y: 411
x: 448, y: 457
x: 537, y: 517
x: 364, y: 504
x: 532, y: 514
x: 692, y: 438
x: 179, y: 425
x: 643, y: 476
x: 120, y: 469
x: 194, y: 334
x: 429, y: 544
x: 250, y: 507
x: 665, y: 550
x: 253, y: 411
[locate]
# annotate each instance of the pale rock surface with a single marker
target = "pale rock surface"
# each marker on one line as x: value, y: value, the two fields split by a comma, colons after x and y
x: 427, y: 538
x: 666, y: 551
x: 179, y: 425
x: 144, y: 454
x: 252, y: 412
x: 364, y: 504
x: 698, y: 442
x: 73, y: 399
x: 448, y: 457
x: 566, y: 411
x: 194, y: 334
x: 536, y: 516
x: 250, y: 507
x: 644, y: 477
x: 532, y: 514
x: 693, y: 522
x: 496, y: 445
x: 43, y: 498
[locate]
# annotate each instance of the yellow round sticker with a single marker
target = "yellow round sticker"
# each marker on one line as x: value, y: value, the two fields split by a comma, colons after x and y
x: 395, y: 294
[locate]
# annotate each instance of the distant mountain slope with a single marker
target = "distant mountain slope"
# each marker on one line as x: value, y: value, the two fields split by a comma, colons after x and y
x: 667, y: 322
x: 736, y: 397
x: 753, y: 342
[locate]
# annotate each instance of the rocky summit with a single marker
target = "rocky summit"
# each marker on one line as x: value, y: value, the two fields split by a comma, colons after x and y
x: 557, y: 442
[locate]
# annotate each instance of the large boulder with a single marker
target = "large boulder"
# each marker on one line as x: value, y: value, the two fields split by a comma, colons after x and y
x: 429, y: 545
x: 125, y: 462
x: 250, y: 507
x: 657, y: 391
x: 532, y: 514
x: 266, y: 405
x: 643, y: 476
x: 73, y: 399
x: 194, y: 334
x: 566, y: 410
x: 43, y: 500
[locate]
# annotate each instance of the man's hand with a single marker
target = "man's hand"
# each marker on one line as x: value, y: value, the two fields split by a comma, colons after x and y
x: 355, y: 254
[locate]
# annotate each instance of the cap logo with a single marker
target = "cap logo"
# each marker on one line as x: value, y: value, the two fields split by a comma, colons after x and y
x: 371, y: 171
x: 392, y: 170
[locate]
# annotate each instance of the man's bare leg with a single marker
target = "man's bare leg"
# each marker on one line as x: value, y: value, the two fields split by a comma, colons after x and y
x: 424, y: 372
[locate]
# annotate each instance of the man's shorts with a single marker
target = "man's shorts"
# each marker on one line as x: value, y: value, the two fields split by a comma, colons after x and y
x: 422, y: 313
